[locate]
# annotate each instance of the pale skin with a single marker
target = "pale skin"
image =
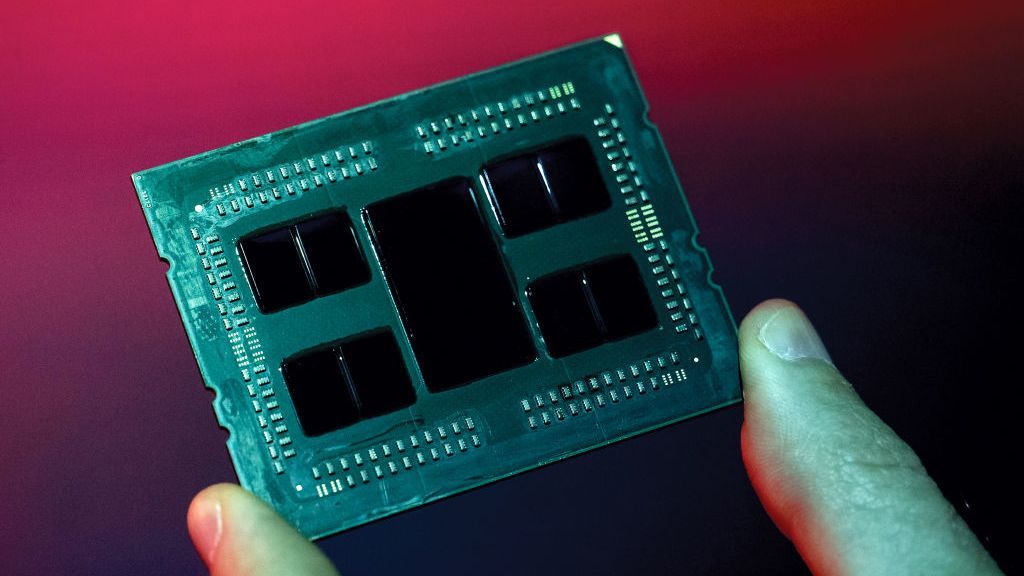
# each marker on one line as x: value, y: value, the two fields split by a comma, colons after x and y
x: 851, y: 496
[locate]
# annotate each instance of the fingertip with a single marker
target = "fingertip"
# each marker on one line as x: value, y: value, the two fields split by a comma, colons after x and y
x: 787, y: 376
x: 761, y: 313
x: 210, y: 510
x: 773, y: 339
x: 212, y: 495
x: 837, y: 480
x: 235, y: 532
x: 205, y: 520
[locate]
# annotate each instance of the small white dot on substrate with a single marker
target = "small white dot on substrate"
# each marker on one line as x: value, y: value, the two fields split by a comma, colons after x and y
x: 696, y: 360
x: 298, y: 487
x: 199, y: 207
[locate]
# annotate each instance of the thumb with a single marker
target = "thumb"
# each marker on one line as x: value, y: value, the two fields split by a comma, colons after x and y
x: 837, y: 481
x: 236, y: 533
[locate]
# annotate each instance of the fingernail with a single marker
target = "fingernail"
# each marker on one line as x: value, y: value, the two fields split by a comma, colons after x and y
x: 207, y: 529
x: 790, y: 336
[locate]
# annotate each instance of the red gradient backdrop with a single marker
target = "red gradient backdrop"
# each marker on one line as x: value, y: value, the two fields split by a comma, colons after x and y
x: 859, y: 157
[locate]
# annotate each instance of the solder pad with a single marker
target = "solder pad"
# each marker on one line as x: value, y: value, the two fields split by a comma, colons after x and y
x: 407, y: 300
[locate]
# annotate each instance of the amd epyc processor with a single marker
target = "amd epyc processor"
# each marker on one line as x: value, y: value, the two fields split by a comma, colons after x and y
x: 407, y: 300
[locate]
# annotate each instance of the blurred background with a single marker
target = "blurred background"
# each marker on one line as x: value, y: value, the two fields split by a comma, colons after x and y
x: 865, y: 159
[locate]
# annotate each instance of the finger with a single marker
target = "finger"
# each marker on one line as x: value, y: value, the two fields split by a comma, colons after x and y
x: 237, y: 534
x: 850, y: 494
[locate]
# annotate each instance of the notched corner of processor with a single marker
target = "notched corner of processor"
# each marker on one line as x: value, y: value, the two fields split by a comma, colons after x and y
x: 709, y: 277
x: 239, y: 445
x: 147, y: 203
x: 615, y: 39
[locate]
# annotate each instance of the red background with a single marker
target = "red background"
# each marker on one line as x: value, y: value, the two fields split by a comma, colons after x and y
x: 861, y: 158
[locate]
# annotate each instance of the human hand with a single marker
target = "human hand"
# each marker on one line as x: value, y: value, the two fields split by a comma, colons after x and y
x: 237, y: 534
x: 837, y: 481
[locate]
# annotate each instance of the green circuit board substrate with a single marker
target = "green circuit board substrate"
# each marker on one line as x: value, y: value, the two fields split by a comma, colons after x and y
x: 414, y: 298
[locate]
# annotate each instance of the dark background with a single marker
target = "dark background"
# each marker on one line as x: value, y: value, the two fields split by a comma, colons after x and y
x: 861, y: 159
